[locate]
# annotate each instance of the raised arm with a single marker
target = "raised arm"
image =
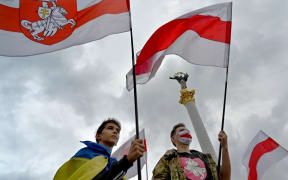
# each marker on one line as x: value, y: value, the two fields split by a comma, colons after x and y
x: 119, y: 169
x: 225, y: 170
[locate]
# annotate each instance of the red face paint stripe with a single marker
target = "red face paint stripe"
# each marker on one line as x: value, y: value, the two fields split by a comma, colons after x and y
x: 187, y: 135
x: 209, y: 27
x: 259, y: 150
x: 9, y: 18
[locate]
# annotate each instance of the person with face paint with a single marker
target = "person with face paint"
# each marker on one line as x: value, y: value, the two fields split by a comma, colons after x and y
x: 185, y: 164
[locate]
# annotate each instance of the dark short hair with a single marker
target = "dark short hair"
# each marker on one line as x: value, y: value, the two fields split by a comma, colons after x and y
x: 174, y: 130
x: 104, y: 123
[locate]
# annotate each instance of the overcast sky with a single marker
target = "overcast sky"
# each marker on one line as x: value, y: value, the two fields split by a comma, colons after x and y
x: 49, y: 102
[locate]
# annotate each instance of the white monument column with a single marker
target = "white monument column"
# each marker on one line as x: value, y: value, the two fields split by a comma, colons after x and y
x: 188, y: 100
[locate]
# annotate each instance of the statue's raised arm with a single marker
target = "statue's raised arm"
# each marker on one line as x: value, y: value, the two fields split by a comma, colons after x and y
x: 181, y: 78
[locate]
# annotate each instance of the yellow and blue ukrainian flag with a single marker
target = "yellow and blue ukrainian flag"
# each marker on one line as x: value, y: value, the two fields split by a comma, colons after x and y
x: 86, y: 163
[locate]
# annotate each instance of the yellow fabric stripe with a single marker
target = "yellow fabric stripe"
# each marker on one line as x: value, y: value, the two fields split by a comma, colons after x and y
x: 81, y: 168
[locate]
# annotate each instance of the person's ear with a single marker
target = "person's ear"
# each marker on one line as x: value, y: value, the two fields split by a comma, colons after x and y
x: 98, y: 137
x: 172, y: 139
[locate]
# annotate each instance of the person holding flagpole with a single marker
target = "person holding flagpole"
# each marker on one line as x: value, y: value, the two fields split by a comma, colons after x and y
x: 94, y: 161
x: 185, y: 164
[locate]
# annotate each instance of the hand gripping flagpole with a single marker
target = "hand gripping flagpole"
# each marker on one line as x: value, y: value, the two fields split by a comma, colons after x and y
x: 135, y: 89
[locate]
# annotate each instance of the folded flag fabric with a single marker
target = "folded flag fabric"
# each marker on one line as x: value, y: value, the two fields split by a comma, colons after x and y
x: 124, y: 149
x: 30, y: 27
x: 200, y: 37
x: 261, y: 154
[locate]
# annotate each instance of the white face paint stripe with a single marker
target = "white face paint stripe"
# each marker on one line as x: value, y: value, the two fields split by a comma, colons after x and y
x: 183, y: 132
x: 185, y: 140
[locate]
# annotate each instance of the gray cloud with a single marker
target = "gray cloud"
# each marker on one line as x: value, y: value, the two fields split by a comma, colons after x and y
x: 49, y: 102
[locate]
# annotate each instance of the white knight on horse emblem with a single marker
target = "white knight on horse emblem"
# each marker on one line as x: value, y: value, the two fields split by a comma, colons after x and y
x: 52, y: 19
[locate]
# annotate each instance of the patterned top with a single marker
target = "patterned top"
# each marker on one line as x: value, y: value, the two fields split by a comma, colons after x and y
x: 195, y: 167
x: 183, y: 166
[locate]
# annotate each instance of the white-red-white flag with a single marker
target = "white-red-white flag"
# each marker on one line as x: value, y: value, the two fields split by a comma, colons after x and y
x: 124, y: 149
x: 200, y: 37
x: 262, y: 153
x: 30, y: 27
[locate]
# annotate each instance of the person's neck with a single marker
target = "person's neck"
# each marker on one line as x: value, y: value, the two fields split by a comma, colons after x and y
x: 183, y: 148
x: 107, y: 145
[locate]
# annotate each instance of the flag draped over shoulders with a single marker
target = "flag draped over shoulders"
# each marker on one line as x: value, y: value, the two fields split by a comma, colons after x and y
x: 86, y: 163
x: 30, y: 27
x: 200, y: 37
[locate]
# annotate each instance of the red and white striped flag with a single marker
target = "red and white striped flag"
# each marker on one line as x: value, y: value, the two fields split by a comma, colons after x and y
x: 262, y: 153
x: 30, y: 27
x: 124, y: 149
x: 200, y: 37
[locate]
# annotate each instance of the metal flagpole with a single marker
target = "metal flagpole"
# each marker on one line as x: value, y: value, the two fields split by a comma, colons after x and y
x: 224, y: 103
x: 223, y: 117
x: 135, y: 89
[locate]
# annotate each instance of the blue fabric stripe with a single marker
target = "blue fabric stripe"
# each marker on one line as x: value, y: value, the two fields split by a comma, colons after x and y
x: 94, y: 149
